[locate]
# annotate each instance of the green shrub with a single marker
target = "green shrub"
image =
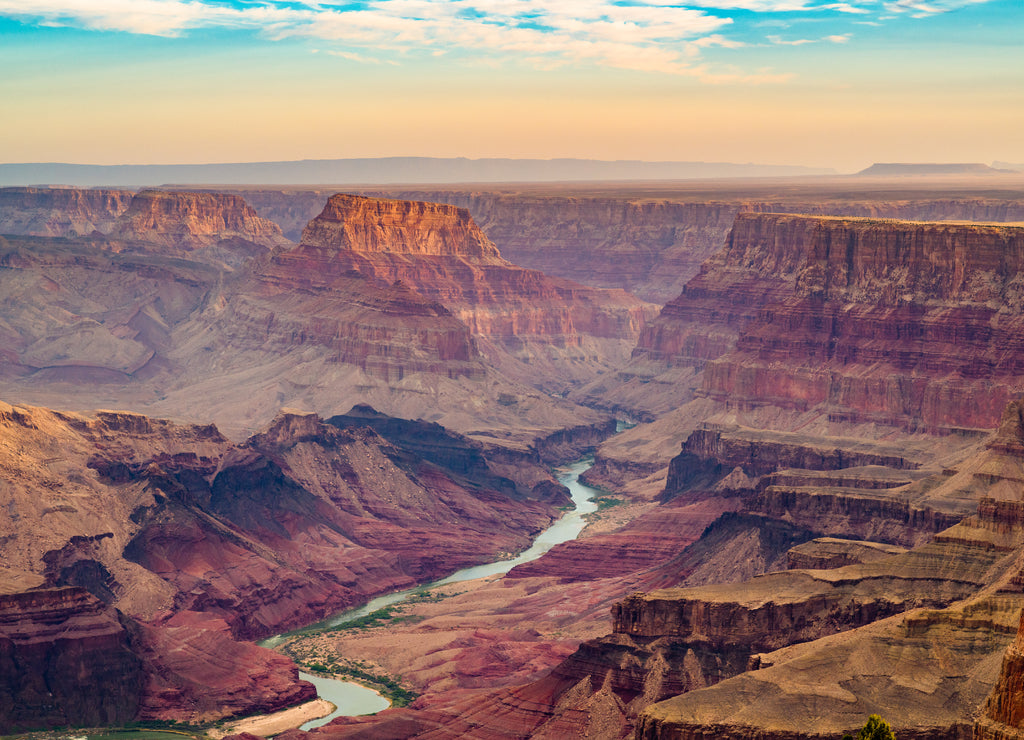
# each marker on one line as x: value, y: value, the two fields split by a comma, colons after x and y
x: 875, y: 728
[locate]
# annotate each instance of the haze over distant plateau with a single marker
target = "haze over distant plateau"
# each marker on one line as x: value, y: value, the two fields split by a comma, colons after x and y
x: 813, y: 83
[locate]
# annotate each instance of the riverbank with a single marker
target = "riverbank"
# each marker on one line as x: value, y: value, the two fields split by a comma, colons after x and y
x: 267, y: 725
x: 382, y: 615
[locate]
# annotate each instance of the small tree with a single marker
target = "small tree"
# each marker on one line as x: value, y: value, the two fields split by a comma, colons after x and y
x: 876, y: 728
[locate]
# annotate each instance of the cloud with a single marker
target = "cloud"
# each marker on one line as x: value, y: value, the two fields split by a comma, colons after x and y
x: 151, y: 17
x: 662, y: 36
x: 845, y: 8
x: 835, y: 39
x: 650, y: 37
x: 921, y: 9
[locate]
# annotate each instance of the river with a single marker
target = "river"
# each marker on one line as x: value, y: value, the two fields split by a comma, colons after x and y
x: 352, y: 699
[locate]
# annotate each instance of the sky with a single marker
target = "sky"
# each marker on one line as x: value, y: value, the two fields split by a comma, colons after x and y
x: 823, y: 83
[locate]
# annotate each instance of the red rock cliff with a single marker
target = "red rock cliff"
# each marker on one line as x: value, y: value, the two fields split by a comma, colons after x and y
x: 189, y: 221
x: 199, y: 543
x: 913, y: 325
x: 439, y: 252
x: 1003, y: 716
x: 351, y: 222
x: 651, y: 241
x: 65, y: 659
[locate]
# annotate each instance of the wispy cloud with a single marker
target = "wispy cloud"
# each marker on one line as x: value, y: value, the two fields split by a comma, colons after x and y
x: 646, y: 36
x: 663, y: 36
x: 834, y: 39
x: 922, y: 8
x: 779, y: 41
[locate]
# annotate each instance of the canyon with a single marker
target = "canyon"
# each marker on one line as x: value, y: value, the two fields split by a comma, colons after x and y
x: 196, y: 271
x: 650, y: 239
x: 157, y: 550
x: 336, y: 395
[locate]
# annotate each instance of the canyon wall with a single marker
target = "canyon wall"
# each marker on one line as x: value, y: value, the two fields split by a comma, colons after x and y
x: 143, y: 551
x: 916, y: 326
x: 440, y: 252
x: 648, y: 240
x: 651, y: 241
x: 60, y: 211
x: 350, y: 222
x: 224, y: 227
x: 542, y: 330
x: 65, y: 659
x: 915, y: 635
x: 193, y: 306
x: 1003, y: 715
x: 179, y: 223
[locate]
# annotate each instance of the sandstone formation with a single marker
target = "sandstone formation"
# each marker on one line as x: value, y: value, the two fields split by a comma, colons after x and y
x: 647, y: 247
x: 350, y: 222
x: 838, y: 486
x: 65, y: 659
x: 915, y: 635
x: 828, y: 327
x: 830, y: 552
x: 721, y: 628
x: 60, y: 211
x: 303, y: 329
x: 646, y: 239
x: 902, y: 324
x: 1003, y: 717
x: 650, y: 240
x: 555, y: 331
x: 836, y: 379
x: 153, y: 547
x: 224, y: 227
x: 190, y: 307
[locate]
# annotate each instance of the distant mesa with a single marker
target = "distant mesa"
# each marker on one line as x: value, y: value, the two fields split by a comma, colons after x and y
x: 905, y: 169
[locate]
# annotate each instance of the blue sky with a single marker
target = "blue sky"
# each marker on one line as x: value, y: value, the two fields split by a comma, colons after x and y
x: 820, y: 82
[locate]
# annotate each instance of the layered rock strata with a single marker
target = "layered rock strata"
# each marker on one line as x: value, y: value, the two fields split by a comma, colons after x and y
x: 918, y: 633
x: 190, y: 308
x: 223, y: 227
x: 824, y: 553
x: 674, y: 642
x: 438, y: 251
x: 1003, y: 716
x: 651, y: 240
x: 289, y: 303
x: 60, y: 211
x: 65, y: 659
x: 910, y: 325
x: 925, y: 672
x: 168, y: 543
x: 842, y: 487
x: 219, y: 228
x: 647, y: 240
